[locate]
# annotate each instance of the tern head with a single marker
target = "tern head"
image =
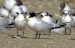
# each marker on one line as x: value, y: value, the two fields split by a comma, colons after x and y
x: 18, y: 2
x: 66, y: 12
x: 45, y: 14
x: 31, y: 15
x: 62, y: 5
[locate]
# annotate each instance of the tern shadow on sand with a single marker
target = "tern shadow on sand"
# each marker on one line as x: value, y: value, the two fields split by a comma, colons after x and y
x: 13, y: 36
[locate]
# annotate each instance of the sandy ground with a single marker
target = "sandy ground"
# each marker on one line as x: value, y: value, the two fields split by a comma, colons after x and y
x: 46, y: 41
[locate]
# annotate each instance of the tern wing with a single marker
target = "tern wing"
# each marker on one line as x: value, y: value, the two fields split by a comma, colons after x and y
x: 41, y: 25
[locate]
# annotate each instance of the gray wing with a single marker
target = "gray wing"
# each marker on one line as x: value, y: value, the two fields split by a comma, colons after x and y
x: 11, y: 19
x: 3, y: 22
x: 41, y: 25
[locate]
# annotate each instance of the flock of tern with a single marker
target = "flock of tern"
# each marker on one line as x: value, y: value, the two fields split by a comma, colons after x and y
x: 14, y: 12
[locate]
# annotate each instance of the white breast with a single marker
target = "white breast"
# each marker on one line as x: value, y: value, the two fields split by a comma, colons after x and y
x: 32, y: 22
x: 65, y: 19
x: 20, y: 22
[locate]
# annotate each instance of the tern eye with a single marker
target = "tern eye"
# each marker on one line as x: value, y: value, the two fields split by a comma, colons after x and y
x: 51, y: 15
x: 29, y: 16
x: 65, y: 13
x: 41, y: 15
x: 32, y: 14
x: 45, y: 15
x: 25, y: 13
x: 17, y: 13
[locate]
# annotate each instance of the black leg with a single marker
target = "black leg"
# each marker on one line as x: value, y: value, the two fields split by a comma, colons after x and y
x: 70, y: 32
x: 23, y: 33
x: 17, y: 33
x: 65, y: 31
x: 49, y: 31
x: 44, y: 33
x: 36, y: 35
x: 39, y: 35
x: 16, y: 36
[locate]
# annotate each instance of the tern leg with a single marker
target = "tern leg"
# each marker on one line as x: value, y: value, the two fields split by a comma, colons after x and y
x: 65, y: 31
x: 49, y: 31
x: 16, y: 36
x: 69, y: 31
x: 17, y: 33
x: 23, y: 33
x: 44, y: 33
x: 39, y: 35
x: 36, y: 35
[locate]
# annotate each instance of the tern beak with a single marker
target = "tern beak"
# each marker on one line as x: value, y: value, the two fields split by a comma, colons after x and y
x: 27, y: 17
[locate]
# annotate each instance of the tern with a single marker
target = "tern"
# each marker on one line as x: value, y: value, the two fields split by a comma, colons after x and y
x: 9, y: 4
x: 50, y: 20
x: 37, y: 25
x: 20, y: 24
x: 64, y: 7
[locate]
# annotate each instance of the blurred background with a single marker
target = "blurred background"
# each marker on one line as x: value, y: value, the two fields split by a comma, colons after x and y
x: 54, y: 41
x: 51, y: 6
